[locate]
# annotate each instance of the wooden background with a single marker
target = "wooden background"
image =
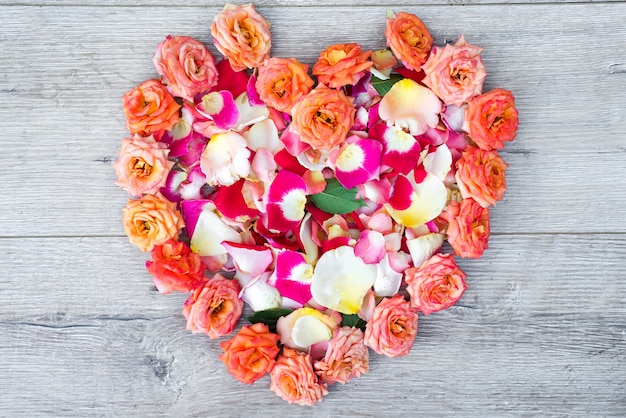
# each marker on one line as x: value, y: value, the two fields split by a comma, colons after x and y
x: 540, y: 332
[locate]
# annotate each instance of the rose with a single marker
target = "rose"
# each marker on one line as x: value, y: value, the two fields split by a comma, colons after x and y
x: 242, y: 35
x: 456, y: 72
x: 151, y: 220
x: 294, y: 380
x: 491, y: 119
x: 409, y: 39
x: 481, y: 175
x: 251, y: 353
x: 392, y: 328
x: 187, y: 67
x: 142, y: 166
x: 149, y: 108
x: 436, y: 285
x: 175, y: 267
x: 468, y: 227
x: 323, y: 117
x: 342, y: 64
x: 346, y: 357
x: 215, y: 308
x: 282, y: 82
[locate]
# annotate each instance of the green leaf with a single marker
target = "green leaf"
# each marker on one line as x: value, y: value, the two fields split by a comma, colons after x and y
x: 383, y: 86
x: 353, y: 321
x: 269, y: 317
x: 336, y: 199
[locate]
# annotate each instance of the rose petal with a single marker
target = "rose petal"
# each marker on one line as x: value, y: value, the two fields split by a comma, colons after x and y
x: 220, y: 107
x: 358, y: 162
x: 248, y: 114
x: 422, y: 248
x: 286, y: 201
x: 251, y: 259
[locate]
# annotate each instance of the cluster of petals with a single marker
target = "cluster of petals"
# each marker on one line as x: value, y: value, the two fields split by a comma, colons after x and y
x: 329, y: 198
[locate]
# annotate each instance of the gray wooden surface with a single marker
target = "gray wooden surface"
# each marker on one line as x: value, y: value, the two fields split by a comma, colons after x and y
x: 540, y: 332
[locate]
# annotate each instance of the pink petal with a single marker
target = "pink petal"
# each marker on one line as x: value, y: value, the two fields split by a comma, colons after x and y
x: 220, y: 107
x: 370, y: 247
x: 253, y: 95
x: 251, y: 259
x: 263, y: 165
x: 358, y: 162
x: 191, y: 188
x: 171, y: 189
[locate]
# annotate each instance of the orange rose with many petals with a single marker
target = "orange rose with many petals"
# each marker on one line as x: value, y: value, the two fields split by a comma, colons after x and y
x: 468, y: 227
x: 409, y: 40
x: 491, y: 119
x: 323, y: 118
x: 341, y: 65
x: 250, y: 354
x: 282, y: 82
x: 294, y: 380
x: 242, y: 35
x: 436, y: 285
x: 481, y: 175
x: 149, y: 108
x: 175, y: 267
x: 151, y: 220
x: 215, y: 308
x: 393, y: 327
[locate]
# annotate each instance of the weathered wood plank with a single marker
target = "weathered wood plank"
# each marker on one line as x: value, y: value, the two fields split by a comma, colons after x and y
x: 64, y: 123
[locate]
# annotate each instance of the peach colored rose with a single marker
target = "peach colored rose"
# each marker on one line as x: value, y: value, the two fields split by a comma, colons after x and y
x: 294, y: 380
x: 282, y: 82
x: 323, y: 117
x: 215, y: 308
x: 151, y: 220
x: 250, y: 354
x: 491, y: 119
x: 436, y: 285
x: 187, y: 67
x: 143, y: 165
x: 481, y: 175
x: 393, y: 327
x: 409, y: 40
x: 174, y: 267
x: 242, y: 35
x: 341, y: 65
x: 346, y: 357
x: 468, y: 227
x: 149, y: 108
x: 455, y: 73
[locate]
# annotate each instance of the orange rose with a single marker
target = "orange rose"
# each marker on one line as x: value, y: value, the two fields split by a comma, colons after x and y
x: 468, y: 227
x: 187, y: 67
x: 294, y: 380
x: 251, y: 353
x: 151, y: 220
x: 341, y: 65
x: 323, y: 117
x: 480, y: 175
x: 242, y: 35
x: 491, y: 119
x: 346, y: 357
x: 215, y: 308
x: 282, y: 82
x: 142, y: 166
x: 409, y: 40
x: 175, y: 267
x: 393, y: 327
x: 436, y: 285
x: 149, y: 108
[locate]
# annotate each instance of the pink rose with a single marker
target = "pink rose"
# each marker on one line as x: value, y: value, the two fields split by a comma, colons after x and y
x: 294, y: 380
x: 174, y: 267
x: 491, y: 119
x: 282, y: 82
x: 481, y: 175
x: 187, y: 67
x: 456, y: 72
x: 242, y: 35
x: 341, y: 65
x: 468, y: 227
x: 409, y: 40
x: 436, y: 285
x: 393, y: 327
x: 215, y: 308
x: 346, y: 357
x: 142, y: 166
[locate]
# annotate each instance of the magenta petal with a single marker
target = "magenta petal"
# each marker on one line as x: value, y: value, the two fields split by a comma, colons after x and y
x: 171, y: 190
x: 358, y: 162
x: 189, y: 149
x: 286, y: 201
x: 191, y: 210
x: 401, y: 196
x: 293, y: 276
x: 251, y: 259
x: 220, y: 106
x: 253, y: 95
x: 401, y: 150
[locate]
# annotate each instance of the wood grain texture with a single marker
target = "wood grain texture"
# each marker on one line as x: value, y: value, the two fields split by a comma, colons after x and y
x: 540, y: 332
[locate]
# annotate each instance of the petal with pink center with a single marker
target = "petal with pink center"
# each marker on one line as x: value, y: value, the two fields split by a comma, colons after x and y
x: 410, y: 106
x: 358, y: 162
x: 423, y: 247
x: 251, y: 259
x: 426, y: 201
x: 341, y: 280
x: 293, y: 276
x: 286, y: 201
